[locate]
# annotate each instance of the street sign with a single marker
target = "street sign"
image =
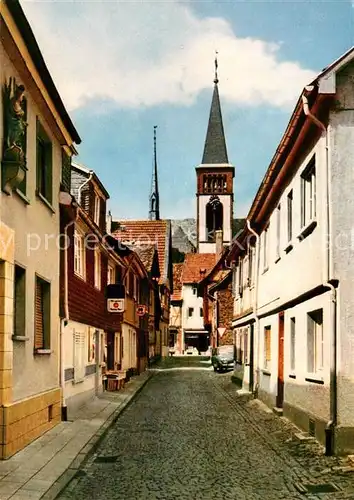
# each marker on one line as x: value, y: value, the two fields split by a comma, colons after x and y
x: 221, y: 331
x: 141, y: 310
x: 115, y: 305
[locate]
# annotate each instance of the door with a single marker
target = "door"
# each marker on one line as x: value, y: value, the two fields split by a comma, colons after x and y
x: 110, y: 350
x: 280, y: 392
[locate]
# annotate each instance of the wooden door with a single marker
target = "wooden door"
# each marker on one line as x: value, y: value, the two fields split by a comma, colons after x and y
x: 280, y: 392
x: 110, y: 350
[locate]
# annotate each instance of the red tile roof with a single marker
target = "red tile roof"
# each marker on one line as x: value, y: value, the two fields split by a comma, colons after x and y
x: 177, y: 281
x: 196, y: 266
x: 145, y: 233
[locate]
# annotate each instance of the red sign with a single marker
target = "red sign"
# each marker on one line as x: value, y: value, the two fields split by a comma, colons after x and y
x: 115, y: 305
x: 141, y: 310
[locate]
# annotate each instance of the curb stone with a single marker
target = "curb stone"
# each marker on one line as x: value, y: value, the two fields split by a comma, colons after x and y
x: 91, y: 446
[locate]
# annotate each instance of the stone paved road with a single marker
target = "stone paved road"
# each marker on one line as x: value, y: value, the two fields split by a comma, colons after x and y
x: 186, y: 436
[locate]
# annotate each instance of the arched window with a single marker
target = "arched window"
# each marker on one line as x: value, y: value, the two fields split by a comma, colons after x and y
x: 214, y: 217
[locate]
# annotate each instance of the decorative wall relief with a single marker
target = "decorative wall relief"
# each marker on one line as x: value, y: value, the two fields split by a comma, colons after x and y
x: 13, y: 164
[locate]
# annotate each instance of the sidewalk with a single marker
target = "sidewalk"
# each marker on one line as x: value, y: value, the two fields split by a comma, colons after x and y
x: 43, y: 468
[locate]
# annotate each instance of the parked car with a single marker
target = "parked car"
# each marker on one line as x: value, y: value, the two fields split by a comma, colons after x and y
x: 193, y: 351
x: 222, y: 358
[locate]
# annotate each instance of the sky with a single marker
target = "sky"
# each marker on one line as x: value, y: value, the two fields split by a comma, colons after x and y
x: 122, y: 67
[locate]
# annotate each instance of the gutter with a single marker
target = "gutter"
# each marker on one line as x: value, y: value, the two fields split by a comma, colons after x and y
x: 332, y: 423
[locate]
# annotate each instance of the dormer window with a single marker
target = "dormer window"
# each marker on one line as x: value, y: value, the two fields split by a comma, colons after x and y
x: 96, y: 213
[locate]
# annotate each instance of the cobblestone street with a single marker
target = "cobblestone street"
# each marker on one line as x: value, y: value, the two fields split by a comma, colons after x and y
x: 188, y: 436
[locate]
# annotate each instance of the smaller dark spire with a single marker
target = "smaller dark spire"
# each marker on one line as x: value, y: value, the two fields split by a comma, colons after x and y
x: 216, y: 80
x: 154, y: 201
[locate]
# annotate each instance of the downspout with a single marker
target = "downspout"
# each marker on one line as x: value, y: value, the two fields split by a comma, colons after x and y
x: 64, y: 322
x: 255, y: 306
x: 332, y: 423
x: 91, y: 172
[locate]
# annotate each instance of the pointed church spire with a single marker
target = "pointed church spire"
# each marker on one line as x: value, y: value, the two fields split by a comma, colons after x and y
x: 154, y: 209
x: 215, y: 145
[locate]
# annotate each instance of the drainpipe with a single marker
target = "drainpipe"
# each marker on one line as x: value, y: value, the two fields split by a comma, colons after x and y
x: 65, y: 321
x: 91, y: 172
x: 332, y: 423
x: 255, y: 304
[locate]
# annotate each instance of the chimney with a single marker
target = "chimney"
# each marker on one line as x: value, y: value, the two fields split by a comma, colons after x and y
x: 218, y: 243
x: 109, y: 223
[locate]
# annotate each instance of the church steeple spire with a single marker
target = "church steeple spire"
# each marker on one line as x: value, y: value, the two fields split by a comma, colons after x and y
x: 215, y: 151
x: 154, y: 200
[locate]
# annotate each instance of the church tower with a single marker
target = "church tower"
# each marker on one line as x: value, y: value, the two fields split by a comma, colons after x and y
x: 214, y: 182
x: 154, y: 200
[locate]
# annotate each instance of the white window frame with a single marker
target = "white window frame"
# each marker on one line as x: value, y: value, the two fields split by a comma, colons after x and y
x: 290, y: 216
x: 97, y: 209
x: 98, y: 268
x: 111, y: 274
x: 79, y: 254
x: 315, y: 363
x: 79, y: 339
x: 308, y: 194
x: 267, y: 363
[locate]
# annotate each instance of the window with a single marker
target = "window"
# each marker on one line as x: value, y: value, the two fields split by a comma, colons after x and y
x: 118, y: 274
x: 79, y: 356
x: 267, y: 347
x: 136, y: 284
x: 290, y: 215
x: 234, y: 280
x: 201, y: 312
x: 315, y: 346
x: 190, y: 312
x: 240, y: 277
x: 278, y: 231
x: 130, y: 284
x: 308, y: 194
x: 20, y: 302
x: 97, y: 268
x: 292, y: 344
x: 111, y: 274
x: 96, y: 212
x: 194, y: 289
x: 44, y: 164
x: 42, y: 315
x: 79, y: 254
x: 265, y: 249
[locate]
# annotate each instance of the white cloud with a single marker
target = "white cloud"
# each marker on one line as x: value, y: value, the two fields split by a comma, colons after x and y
x: 148, y: 53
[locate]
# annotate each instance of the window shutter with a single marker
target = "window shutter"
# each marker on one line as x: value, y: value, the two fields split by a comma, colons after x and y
x: 85, y: 198
x: 39, y: 323
x: 102, y: 223
x: 48, y: 173
x: 310, y: 345
x: 65, y: 171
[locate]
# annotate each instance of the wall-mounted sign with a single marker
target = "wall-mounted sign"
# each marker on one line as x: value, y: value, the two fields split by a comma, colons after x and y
x: 116, y: 291
x: 141, y: 310
x: 115, y: 305
x: 221, y: 331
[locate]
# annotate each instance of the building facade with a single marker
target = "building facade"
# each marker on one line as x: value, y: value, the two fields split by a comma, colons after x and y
x: 37, y: 140
x: 294, y: 338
